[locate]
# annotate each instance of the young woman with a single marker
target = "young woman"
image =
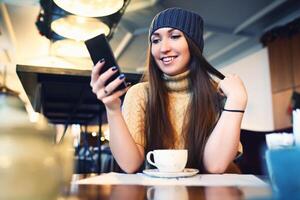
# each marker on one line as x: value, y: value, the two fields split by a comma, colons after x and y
x: 179, y: 106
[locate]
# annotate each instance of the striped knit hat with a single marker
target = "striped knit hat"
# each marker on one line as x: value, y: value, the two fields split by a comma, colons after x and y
x: 186, y: 21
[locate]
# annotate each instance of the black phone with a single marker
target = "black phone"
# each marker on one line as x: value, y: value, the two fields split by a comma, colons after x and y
x: 99, y: 48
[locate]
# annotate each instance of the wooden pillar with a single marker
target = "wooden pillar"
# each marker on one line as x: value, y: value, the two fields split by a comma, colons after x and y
x: 284, y: 57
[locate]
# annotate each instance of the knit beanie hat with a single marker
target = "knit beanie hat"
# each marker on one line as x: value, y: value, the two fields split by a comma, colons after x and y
x: 186, y: 21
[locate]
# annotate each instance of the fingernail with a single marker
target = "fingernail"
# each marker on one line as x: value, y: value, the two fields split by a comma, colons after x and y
x: 114, y: 68
x: 102, y: 60
x: 128, y: 84
x: 122, y: 76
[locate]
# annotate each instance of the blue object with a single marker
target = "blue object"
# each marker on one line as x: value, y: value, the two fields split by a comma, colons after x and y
x: 284, y: 170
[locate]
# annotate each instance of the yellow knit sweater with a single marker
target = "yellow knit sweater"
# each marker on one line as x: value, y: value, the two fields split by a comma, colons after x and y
x: 134, y: 107
x: 135, y: 104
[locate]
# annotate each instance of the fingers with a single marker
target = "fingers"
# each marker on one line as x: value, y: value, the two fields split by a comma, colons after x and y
x: 220, y: 91
x: 96, y: 71
x: 108, y: 90
x: 99, y: 84
x: 104, y: 90
x: 227, y: 77
x: 232, y: 87
x: 222, y: 83
x: 114, y: 84
x: 114, y: 96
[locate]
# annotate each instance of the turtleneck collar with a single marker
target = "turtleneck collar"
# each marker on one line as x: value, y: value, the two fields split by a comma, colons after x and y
x: 177, y: 83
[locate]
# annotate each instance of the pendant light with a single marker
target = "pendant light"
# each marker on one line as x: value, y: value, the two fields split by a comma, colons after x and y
x: 79, y: 28
x: 70, y: 48
x: 91, y: 8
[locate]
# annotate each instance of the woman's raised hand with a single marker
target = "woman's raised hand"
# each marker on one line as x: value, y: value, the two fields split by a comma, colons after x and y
x: 233, y: 88
x: 106, y: 93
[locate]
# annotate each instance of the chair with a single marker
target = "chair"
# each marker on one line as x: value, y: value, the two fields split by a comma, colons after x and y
x: 253, y: 161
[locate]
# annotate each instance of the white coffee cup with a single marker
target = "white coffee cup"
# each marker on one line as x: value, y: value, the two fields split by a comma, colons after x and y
x: 163, y: 192
x: 168, y: 160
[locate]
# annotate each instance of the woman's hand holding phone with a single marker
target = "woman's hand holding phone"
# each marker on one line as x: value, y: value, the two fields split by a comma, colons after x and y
x: 107, y: 93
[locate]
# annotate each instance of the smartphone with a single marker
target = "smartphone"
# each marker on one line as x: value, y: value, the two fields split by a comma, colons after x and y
x: 99, y: 48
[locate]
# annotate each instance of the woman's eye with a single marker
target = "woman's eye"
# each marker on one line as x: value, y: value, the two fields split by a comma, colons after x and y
x: 155, y: 41
x: 175, y: 36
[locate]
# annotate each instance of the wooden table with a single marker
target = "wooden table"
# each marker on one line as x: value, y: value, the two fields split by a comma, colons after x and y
x: 139, y: 192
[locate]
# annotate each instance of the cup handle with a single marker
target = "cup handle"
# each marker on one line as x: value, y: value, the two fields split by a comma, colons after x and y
x: 149, y: 159
x: 150, y: 193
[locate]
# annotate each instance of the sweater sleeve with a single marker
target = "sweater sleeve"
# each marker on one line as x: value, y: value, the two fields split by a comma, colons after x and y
x: 133, y: 111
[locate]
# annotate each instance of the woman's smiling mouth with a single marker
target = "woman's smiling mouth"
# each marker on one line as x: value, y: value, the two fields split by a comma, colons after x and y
x: 167, y: 59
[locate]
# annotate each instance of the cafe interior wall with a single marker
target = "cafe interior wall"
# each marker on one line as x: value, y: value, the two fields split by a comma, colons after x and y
x: 27, y: 46
x: 254, y: 71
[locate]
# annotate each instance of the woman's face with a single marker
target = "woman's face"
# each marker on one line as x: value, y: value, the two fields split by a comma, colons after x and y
x: 170, y: 51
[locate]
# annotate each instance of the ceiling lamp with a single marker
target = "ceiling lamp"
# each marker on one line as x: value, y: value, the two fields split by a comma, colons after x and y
x: 56, y: 23
x: 79, y: 28
x: 91, y: 8
x: 70, y: 48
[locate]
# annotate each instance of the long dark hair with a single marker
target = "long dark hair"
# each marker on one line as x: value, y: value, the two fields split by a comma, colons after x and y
x: 201, y: 114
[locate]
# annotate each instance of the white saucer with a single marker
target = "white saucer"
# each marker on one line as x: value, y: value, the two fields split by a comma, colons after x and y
x: 186, y: 173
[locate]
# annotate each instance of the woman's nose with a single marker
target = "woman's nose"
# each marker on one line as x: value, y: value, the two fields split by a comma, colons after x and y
x: 165, y: 46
